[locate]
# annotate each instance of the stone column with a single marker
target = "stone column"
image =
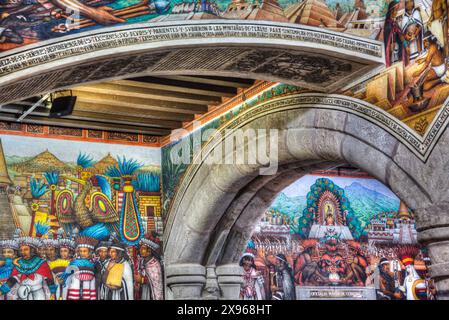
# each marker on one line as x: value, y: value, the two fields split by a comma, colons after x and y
x: 433, y: 231
x: 230, y: 281
x: 186, y: 281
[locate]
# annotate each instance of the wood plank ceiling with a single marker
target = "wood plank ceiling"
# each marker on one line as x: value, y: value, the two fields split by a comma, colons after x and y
x: 147, y: 105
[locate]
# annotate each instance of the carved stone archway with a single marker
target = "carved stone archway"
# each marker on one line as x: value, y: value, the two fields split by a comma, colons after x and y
x: 216, y: 206
x: 309, y: 57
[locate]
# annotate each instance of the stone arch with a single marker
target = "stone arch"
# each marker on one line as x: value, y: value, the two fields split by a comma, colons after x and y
x: 250, y: 49
x: 215, y: 209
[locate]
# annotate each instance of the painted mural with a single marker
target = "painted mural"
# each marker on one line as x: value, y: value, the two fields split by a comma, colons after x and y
x: 336, y: 237
x: 415, y: 84
x: 79, y: 220
x: 28, y: 21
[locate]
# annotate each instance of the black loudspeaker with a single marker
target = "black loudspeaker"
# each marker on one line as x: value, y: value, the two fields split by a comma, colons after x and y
x: 62, y: 106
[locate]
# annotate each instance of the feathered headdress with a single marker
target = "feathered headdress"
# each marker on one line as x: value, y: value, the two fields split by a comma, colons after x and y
x: 86, y: 242
x: 49, y: 243
x: 66, y: 243
x: 30, y: 241
x: 407, y: 254
x: 9, y: 244
x: 151, y: 242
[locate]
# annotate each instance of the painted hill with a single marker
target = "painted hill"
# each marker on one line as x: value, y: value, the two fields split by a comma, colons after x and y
x: 366, y: 202
x: 44, y: 161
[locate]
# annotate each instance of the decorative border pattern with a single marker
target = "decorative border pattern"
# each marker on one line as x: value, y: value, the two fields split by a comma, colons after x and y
x: 138, y: 34
x: 420, y: 146
x: 77, y: 134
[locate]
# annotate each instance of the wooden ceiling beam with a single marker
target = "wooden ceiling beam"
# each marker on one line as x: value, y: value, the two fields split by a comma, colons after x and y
x: 119, y: 111
x: 148, y: 93
x: 180, y: 86
x: 138, y: 103
x: 218, y: 81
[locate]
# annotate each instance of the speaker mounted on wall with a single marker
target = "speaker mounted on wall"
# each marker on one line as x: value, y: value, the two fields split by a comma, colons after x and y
x: 62, y: 106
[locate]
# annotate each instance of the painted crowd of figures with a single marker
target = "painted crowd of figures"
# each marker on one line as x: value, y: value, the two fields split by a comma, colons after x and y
x: 408, y: 38
x: 80, y: 268
x: 398, y: 273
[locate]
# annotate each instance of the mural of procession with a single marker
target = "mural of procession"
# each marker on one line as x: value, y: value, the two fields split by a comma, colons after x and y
x: 329, y: 237
x: 81, y: 228
x: 25, y: 22
x: 415, y: 84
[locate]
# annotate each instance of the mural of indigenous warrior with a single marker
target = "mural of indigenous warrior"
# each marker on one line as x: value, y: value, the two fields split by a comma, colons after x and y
x: 31, y: 273
x: 86, y: 217
x: 9, y: 250
x: 117, y: 274
x: 149, y: 270
x: 58, y: 266
x: 79, y: 276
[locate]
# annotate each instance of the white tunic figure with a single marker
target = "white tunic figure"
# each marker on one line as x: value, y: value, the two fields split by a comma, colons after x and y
x: 118, y: 275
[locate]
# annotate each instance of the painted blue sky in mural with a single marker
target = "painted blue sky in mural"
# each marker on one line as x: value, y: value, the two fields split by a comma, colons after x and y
x: 368, y: 197
x: 68, y: 150
x: 302, y: 186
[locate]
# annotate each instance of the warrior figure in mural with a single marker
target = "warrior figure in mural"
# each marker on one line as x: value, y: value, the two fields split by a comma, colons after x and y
x: 253, y: 283
x: 305, y: 267
x: 432, y: 66
x: 387, y: 289
x: 149, y: 271
x: 393, y: 38
x: 9, y: 253
x: 117, y: 274
x: 101, y: 258
x: 413, y: 29
x: 282, y: 283
x: 59, y: 266
x: 30, y: 273
x: 79, y: 276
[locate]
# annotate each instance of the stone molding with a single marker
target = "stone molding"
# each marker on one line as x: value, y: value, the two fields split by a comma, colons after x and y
x: 420, y: 146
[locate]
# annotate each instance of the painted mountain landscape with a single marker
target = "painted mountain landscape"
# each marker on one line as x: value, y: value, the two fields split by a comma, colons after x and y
x: 367, y: 199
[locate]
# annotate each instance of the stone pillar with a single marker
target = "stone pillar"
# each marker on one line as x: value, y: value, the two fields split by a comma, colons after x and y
x: 211, y: 289
x: 230, y: 281
x: 186, y: 281
x: 433, y: 232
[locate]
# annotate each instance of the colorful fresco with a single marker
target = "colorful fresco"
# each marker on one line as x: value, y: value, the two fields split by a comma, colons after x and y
x: 336, y: 237
x: 79, y: 220
x: 172, y: 173
x: 414, y: 86
x: 30, y: 21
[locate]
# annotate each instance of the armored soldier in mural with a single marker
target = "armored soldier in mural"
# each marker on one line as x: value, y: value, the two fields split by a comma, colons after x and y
x: 30, y: 273
x: 149, y: 270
